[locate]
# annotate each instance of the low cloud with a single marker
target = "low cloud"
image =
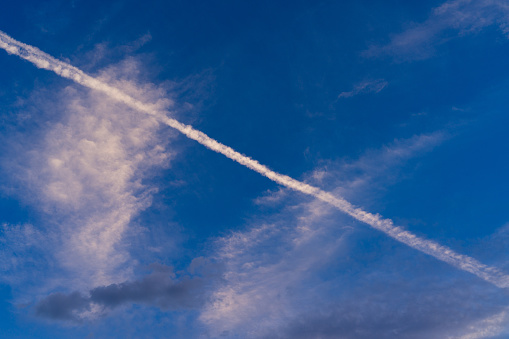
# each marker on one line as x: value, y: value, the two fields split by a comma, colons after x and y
x: 60, y: 306
x: 162, y: 288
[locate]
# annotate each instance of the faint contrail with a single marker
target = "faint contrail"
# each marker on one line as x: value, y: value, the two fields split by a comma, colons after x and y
x: 463, y: 262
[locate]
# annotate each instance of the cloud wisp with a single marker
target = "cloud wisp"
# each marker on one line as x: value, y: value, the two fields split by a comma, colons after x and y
x: 355, y: 178
x: 452, y: 18
x: 463, y: 262
x: 367, y: 86
x: 487, y: 328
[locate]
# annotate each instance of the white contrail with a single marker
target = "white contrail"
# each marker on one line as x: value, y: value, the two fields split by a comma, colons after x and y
x: 463, y: 262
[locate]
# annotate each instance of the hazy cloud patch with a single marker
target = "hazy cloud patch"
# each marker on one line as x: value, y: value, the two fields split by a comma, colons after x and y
x: 451, y: 19
x: 367, y: 86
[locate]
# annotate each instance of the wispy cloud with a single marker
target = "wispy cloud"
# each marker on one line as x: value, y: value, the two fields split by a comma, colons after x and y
x: 366, y: 86
x: 451, y: 19
x: 443, y: 253
x: 269, y: 262
x: 375, y: 167
x: 298, y: 255
x: 492, y: 326
x: 83, y: 170
x: 281, y: 257
x: 307, y: 272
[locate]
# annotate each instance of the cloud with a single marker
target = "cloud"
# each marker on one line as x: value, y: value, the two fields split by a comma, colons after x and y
x: 309, y: 272
x: 89, y: 167
x: 489, y: 327
x: 59, y: 306
x: 82, y: 163
x: 268, y: 267
x: 451, y: 19
x: 442, y: 311
x: 443, y: 253
x: 301, y: 273
x: 367, y: 86
x: 285, y: 260
x: 162, y: 288
x: 375, y: 167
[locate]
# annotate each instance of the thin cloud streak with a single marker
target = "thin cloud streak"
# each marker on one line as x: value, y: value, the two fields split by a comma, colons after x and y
x: 367, y: 86
x: 463, y: 262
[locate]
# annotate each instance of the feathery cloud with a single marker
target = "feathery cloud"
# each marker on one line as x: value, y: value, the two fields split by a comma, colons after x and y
x: 307, y: 271
x: 452, y: 18
x: 83, y: 170
x: 366, y: 86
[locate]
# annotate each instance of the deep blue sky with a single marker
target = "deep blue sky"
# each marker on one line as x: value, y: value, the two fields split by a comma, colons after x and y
x: 116, y: 226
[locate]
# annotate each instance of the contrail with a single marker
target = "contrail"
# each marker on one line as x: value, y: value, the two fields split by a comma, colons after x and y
x: 443, y: 253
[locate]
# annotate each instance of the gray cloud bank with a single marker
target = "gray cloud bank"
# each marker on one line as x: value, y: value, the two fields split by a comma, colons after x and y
x: 162, y: 288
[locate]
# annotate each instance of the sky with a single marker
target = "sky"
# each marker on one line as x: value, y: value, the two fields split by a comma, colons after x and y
x: 254, y: 169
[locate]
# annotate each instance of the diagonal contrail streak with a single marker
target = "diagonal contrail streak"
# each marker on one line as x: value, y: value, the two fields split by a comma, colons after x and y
x: 443, y: 253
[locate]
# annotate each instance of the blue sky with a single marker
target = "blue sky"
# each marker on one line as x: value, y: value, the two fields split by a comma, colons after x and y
x: 116, y: 225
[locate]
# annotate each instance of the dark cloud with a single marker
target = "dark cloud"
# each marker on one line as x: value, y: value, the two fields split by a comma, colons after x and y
x: 162, y: 288
x: 61, y: 306
x: 158, y: 288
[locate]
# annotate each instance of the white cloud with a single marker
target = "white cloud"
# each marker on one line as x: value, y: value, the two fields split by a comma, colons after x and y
x: 451, y: 19
x: 366, y: 86
x: 489, y: 327
x: 266, y: 267
x: 86, y: 171
x: 375, y: 167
